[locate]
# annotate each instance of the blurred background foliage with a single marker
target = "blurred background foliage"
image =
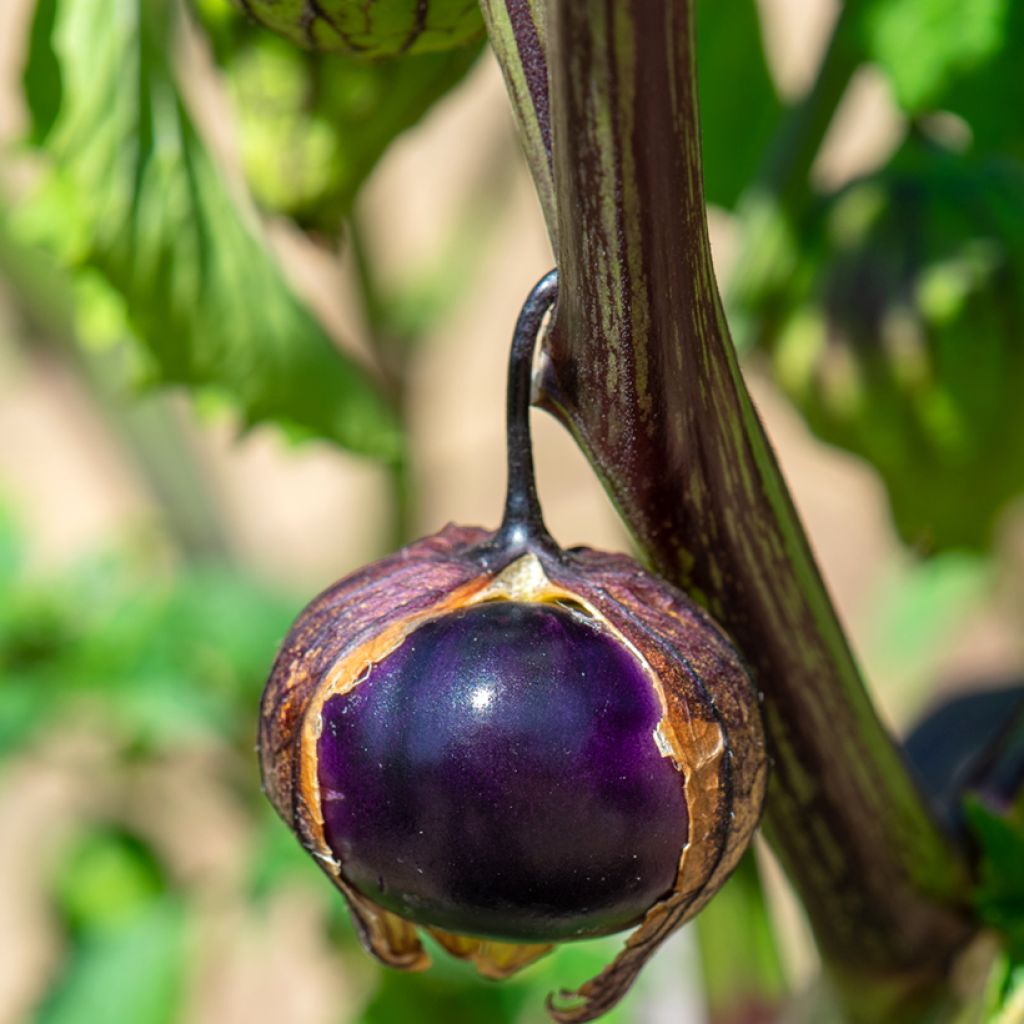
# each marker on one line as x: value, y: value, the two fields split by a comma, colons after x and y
x: 171, y: 178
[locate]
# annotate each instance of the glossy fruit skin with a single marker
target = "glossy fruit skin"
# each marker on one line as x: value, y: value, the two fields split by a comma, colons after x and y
x: 497, y: 775
x: 691, y: 685
x: 372, y: 30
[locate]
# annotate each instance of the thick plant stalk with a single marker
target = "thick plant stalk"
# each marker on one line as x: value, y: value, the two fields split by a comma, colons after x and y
x: 641, y: 369
x: 517, y: 30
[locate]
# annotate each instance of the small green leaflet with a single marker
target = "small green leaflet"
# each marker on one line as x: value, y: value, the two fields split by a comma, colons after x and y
x: 999, y: 899
x: 922, y: 46
x: 962, y: 56
x: 999, y: 896
x: 129, y: 975
x: 136, y: 190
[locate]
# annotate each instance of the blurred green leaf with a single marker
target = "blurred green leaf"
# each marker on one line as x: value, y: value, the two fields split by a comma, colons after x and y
x: 22, y: 712
x: 42, y: 80
x: 313, y: 126
x: 186, y: 660
x: 105, y: 880
x: 452, y: 991
x: 136, y: 196
x: 962, y: 56
x: 129, y: 975
x: 277, y: 857
x: 126, y: 952
x: 11, y: 543
x: 924, y: 45
x: 570, y: 965
x: 446, y: 994
x: 901, y: 338
x: 739, y: 108
x: 1004, y: 998
x: 992, y: 97
x: 158, y: 658
x: 740, y: 964
x: 999, y: 894
x: 915, y: 614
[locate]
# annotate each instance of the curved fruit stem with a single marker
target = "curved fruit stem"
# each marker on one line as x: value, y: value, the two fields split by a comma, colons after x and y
x: 522, y: 525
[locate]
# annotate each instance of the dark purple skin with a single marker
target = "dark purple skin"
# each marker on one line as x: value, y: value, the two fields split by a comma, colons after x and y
x: 496, y: 775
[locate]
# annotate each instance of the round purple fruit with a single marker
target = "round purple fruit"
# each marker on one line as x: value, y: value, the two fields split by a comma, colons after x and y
x: 497, y: 774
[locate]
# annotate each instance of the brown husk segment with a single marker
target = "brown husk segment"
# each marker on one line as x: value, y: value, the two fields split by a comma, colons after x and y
x: 492, y: 959
x: 346, y: 616
x: 714, y: 729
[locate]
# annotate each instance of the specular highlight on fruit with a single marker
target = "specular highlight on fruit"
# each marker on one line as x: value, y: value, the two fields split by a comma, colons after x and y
x: 511, y: 745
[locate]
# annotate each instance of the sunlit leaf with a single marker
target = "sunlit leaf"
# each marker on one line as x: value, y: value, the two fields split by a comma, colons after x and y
x: 313, y: 126
x: 380, y: 29
x: 137, y: 197
x: 999, y: 895
x: 1004, y: 998
x: 129, y: 975
x: 962, y: 56
x: 923, y: 44
x: 106, y: 879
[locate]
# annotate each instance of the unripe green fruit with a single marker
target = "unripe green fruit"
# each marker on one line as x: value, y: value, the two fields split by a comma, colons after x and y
x: 372, y: 28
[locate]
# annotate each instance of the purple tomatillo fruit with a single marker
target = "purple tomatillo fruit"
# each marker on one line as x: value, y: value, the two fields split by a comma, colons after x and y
x: 410, y: 777
x: 511, y: 745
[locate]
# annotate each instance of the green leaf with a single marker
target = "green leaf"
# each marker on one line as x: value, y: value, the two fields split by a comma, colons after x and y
x: 276, y: 858
x: 106, y: 878
x: 740, y: 963
x: 739, y: 108
x: 156, y: 661
x: 130, y: 975
x: 42, y: 82
x: 991, y: 97
x: 923, y: 45
x: 137, y: 197
x: 962, y: 56
x: 312, y: 126
x: 900, y: 340
x: 999, y: 895
x: 1004, y: 998
x: 445, y: 993
x: 11, y: 543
